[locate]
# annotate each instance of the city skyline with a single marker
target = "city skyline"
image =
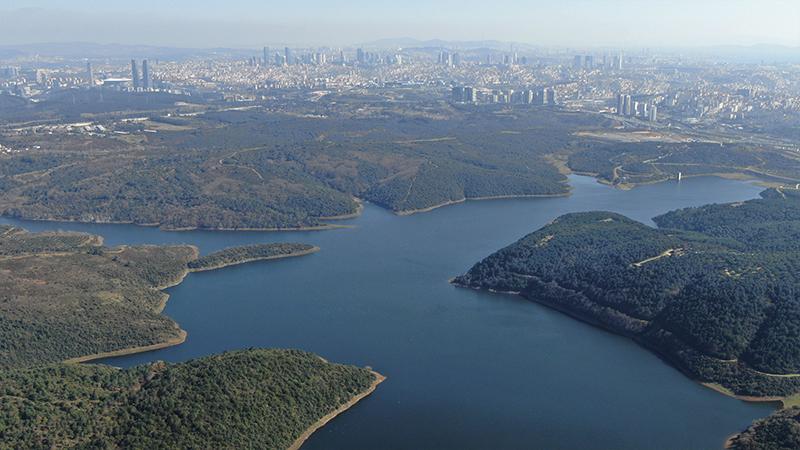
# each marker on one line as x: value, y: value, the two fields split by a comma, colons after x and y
x: 243, y: 23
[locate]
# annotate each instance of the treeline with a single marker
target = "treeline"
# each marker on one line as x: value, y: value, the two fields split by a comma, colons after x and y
x: 239, y: 255
x: 718, y: 297
x: 244, y: 399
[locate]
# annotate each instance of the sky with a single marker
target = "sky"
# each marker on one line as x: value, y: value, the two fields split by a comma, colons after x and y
x: 251, y: 23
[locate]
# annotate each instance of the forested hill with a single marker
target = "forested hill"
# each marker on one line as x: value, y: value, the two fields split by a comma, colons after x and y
x: 65, y: 295
x: 246, y: 399
x: 256, y: 169
x: 716, y: 293
x: 772, y: 222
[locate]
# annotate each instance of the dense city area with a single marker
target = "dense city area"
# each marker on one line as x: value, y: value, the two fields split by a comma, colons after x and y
x: 665, y: 89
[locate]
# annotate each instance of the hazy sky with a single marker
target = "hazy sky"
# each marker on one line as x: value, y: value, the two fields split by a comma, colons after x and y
x: 250, y: 23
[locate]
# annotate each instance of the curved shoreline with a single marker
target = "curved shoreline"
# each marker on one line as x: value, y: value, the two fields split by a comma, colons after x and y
x: 778, y: 400
x: 322, y: 227
x: 330, y: 416
x: 310, y: 251
x: 353, y: 215
x: 409, y: 212
x: 182, y: 334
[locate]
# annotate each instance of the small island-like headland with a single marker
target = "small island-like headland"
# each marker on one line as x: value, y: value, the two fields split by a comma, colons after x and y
x: 249, y: 253
x: 710, y: 291
x: 411, y: 212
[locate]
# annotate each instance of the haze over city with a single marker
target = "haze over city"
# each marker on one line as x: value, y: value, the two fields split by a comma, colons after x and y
x: 248, y: 23
x: 373, y: 225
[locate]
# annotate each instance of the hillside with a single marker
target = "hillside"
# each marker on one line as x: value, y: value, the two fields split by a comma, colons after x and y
x: 627, y: 164
x: 245, y: 399
x: 714, y: 290
x: 261, y: 170
x: 65, y: 296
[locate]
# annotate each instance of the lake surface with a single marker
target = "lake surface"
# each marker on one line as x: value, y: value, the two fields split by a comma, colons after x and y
x: 466, y: 369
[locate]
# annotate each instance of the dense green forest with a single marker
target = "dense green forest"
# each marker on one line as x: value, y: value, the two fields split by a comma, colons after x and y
x: 246, y: 253
x: 259, y: 169
x: 64, y: 295
x: 714, y: 290
x: 245, y: 399
x: 780, y: 431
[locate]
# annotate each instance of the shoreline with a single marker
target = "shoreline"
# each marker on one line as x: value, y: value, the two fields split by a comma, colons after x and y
x: 410, y: 212
x: 759, y: 180
x: 310, y: 251
x: 180, y: 339
x: 182, y: 334
x: 332, y: 415
x: 322, y: 227
x: 779, y: 401
x: 357, y: 213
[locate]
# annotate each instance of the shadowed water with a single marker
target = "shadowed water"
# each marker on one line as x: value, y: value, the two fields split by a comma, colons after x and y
x: 466, y: 369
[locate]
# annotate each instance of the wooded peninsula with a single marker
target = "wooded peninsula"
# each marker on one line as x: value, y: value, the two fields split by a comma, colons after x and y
x: 66, y: 297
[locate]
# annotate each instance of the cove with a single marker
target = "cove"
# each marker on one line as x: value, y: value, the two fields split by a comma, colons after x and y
x: 466, y: 369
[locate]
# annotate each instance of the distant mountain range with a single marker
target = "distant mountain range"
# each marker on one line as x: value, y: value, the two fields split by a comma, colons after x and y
x: 407, y: 42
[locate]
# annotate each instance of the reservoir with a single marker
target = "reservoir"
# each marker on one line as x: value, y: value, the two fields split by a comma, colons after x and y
x: 466, y: 369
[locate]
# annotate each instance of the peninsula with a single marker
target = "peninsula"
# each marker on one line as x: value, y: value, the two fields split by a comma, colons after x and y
x: 712, y: 290
x: 68, y: 299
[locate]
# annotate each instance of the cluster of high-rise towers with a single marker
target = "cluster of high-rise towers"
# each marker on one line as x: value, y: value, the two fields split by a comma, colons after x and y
x: 628, y: 107
x: 141, y: 81
x: 469, y: 94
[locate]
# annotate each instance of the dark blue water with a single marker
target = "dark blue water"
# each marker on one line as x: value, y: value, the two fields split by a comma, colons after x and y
x: 466, y: 370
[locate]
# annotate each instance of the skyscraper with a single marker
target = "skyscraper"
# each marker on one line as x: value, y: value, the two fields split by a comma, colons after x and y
x: 653, y: 113
x: 458, y: 94
x: 470, y: 94
x: 620, y: 105
x: 628, y: 105
x: 577, y: 63
x: 289, y: 55
x: 266, y: 56
x: 134, y: 75
x: 89, y: 73
x: 551, y: 96
x: 360, y: 56
x: 541, y: 97
x: 528, y: 97
x: 145, y: 75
